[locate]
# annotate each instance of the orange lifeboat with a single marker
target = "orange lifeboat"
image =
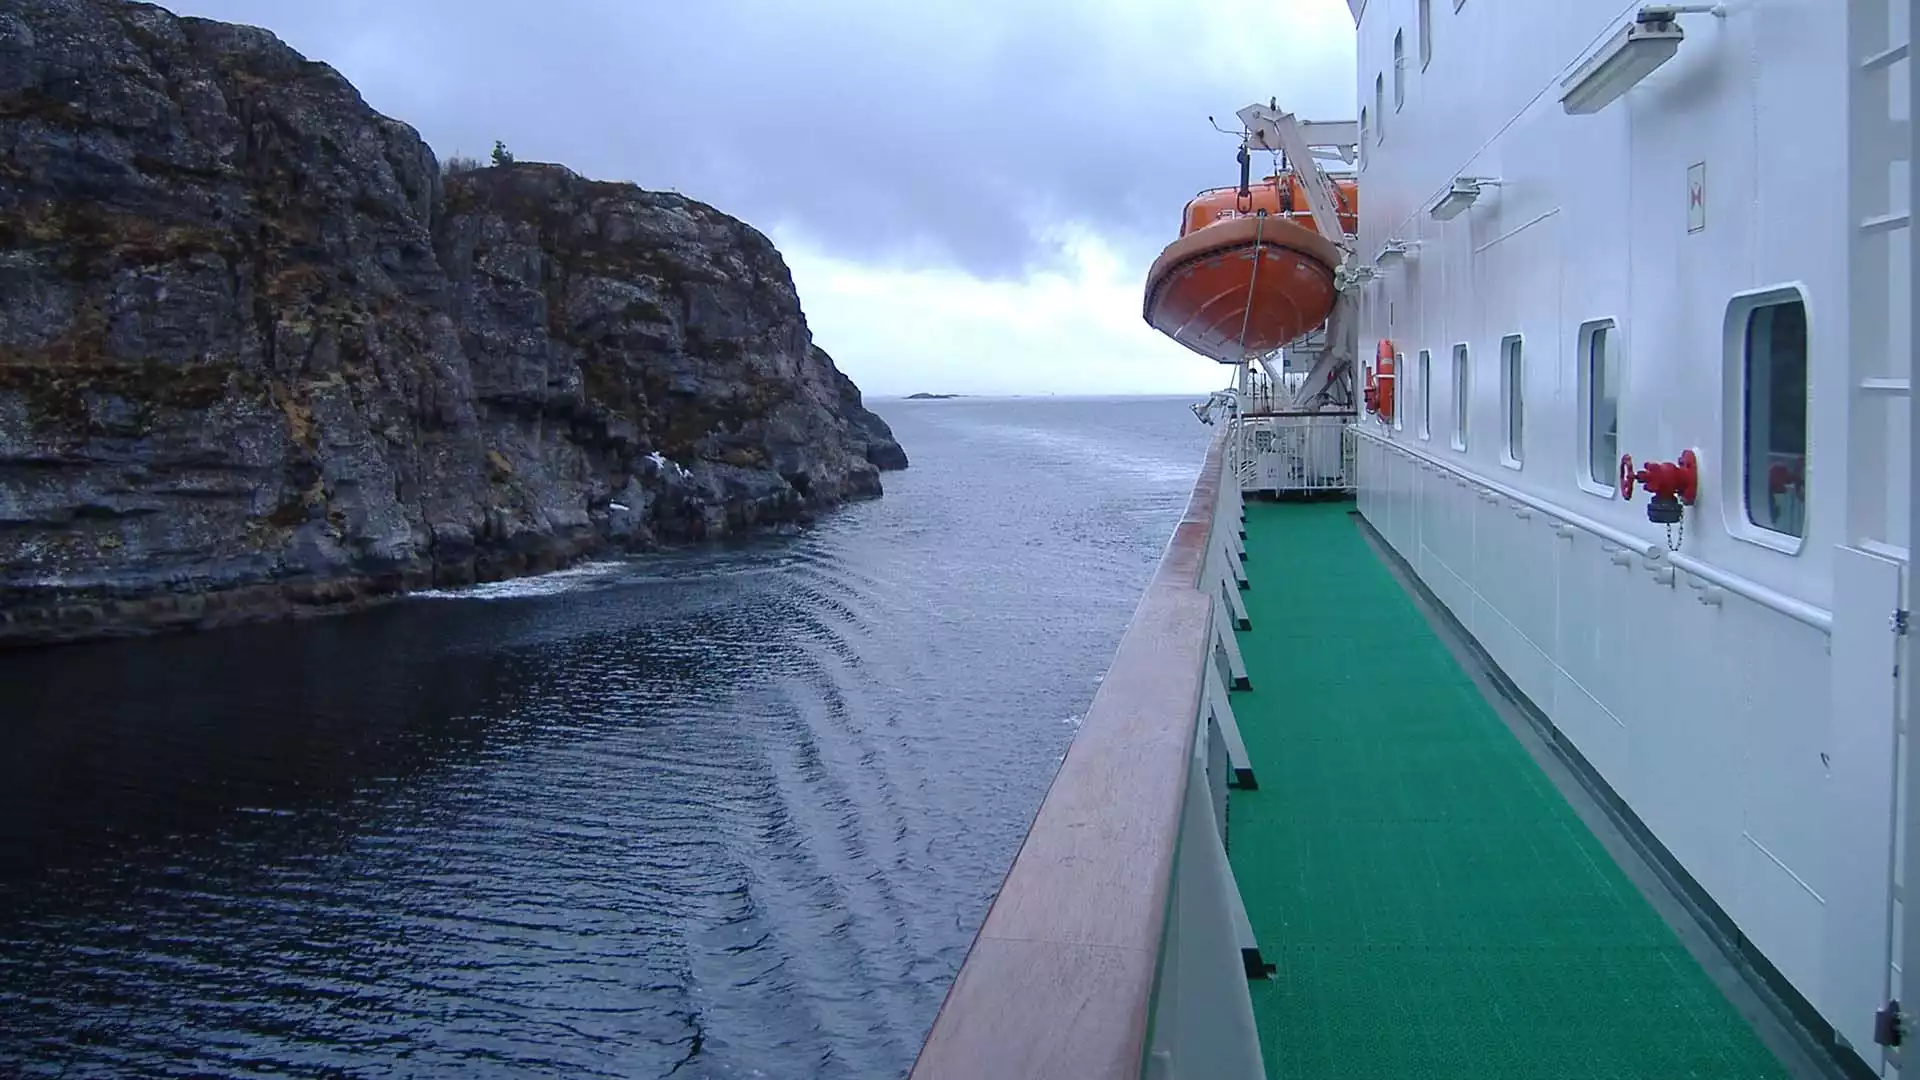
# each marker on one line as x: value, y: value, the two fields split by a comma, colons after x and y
x: 1250, y: 273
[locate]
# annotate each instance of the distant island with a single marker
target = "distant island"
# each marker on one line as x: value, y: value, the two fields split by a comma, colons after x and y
x: 932, y: 397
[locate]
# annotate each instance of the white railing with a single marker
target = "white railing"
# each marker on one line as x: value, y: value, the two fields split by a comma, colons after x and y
x: 1118, y: 945
x: 1201, y: 1020
x: 1652, y: 551
x: 1296, y: 452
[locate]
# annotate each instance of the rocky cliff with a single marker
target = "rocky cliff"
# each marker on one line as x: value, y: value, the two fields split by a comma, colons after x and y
x: 259, y: 356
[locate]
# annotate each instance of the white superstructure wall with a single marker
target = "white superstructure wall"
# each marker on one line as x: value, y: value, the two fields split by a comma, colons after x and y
x: 1674, y: 248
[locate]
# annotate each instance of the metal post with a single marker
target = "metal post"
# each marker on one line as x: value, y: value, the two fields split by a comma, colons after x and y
x: 1202, y: 1024
x: 1232, y: 561
x: 1220, y: 704
x: 1226, y: 644
x: 1237, y: 609
x: 1910, y: 944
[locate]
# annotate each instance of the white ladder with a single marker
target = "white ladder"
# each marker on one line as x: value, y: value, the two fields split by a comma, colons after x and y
x: 1879, y: 154
x: 1880, y: 421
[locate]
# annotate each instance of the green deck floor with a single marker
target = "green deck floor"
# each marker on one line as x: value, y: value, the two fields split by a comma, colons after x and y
x: 1433, y: 906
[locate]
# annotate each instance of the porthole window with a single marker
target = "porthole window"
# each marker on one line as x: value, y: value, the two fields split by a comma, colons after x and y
x: 1513, y: 397
x: 1399, y: 390
x: 1461, y: 370
x: 1426, y: 394
x: 1774, y: 386
x: 1600, y: 370
x: 1399, y: 69
x: 1426, y: 33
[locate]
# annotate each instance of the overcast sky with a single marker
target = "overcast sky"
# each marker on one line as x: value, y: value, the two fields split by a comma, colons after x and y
x: 969, y: 192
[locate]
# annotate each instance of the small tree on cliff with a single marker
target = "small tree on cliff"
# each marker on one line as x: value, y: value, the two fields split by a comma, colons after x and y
x: 501, y: 155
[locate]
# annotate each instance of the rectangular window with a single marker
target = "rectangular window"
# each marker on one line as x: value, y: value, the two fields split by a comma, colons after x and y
x: 1600, y: 392
x: 1399, y: 69
x: 1399, y: 390
x: 1426, y: 33
x: 1364, y: 126
x: 1380, y: 109
x: 1460, y: 371
x: 1511, y: 394
x: 1426, y: 394
x: 1776, y: 416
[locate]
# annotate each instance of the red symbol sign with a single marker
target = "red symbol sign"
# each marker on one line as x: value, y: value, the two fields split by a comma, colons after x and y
x: 1697, y: 197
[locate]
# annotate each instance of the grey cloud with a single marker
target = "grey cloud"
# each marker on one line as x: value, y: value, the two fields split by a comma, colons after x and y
x: 883, y: 132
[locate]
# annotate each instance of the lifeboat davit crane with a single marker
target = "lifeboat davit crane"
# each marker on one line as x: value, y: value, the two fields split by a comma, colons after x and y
x: 1267, y: 265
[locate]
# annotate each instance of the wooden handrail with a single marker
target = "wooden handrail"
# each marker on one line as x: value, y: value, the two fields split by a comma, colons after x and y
x: 1059, y: 980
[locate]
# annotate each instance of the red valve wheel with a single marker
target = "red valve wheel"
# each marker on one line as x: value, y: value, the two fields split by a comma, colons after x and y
x: 1626, y: 477
x: 1689, y: 477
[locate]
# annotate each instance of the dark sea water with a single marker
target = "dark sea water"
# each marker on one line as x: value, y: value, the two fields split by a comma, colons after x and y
x: 712, y: 814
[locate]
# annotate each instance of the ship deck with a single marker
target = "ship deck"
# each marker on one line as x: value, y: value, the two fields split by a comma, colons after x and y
x: 1431, y: 899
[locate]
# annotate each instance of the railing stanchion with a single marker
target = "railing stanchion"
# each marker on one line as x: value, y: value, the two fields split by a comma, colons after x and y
x: 1202, y: 1022
x: 1238, y: 609
x: 1237, y: 757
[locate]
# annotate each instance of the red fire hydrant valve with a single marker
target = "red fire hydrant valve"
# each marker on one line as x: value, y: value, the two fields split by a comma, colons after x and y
x: 1680, y: 479
x: 1671, y: 483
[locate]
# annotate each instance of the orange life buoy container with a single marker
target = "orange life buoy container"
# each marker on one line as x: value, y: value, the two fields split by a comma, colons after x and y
x: 1379, y: 391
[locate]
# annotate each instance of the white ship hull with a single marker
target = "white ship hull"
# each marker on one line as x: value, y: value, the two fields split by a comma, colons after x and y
x: 1739, y: 696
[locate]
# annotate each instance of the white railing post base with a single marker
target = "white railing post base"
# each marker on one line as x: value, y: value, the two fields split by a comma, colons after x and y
x: 1225, y: 640
x: 1220, y: 708
x: 1238, y: 607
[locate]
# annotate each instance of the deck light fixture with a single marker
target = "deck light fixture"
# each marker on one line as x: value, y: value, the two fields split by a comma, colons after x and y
x: 1640, y: 47
x: 1462, y: 193
x: 1394, y: 251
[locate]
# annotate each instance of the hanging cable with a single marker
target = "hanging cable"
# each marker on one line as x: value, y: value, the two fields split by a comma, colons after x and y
x: 1253, y: 279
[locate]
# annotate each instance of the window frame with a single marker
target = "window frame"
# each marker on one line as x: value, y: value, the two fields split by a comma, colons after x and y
x: 1513, y: 400
x: 1462, y: 393
x: 1379, y: 108
x: 1426, y: 393
x: 1365, y: 130
x: 1399, y: 69
x: 1399, y: 390
x: 1425, y: 16
x: 1733, y: 503
x: 1583, y: 470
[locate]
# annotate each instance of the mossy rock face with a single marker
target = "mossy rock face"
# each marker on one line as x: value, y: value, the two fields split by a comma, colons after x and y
x: 254, y: 344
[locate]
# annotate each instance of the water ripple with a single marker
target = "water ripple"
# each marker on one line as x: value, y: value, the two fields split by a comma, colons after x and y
x: 726, y: 813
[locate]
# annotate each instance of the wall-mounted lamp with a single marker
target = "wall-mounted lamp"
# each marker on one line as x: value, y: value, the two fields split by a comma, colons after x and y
x: 1464, y: 191
x: 1394, y: 252
x: 1629, y: 56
